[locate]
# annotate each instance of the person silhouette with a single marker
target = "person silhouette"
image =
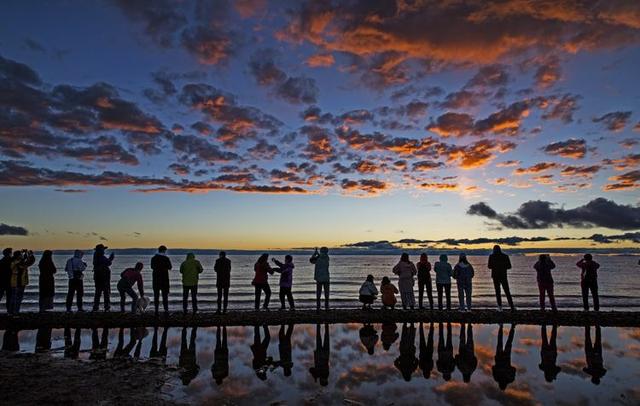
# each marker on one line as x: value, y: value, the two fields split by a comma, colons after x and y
x: 43, y: 340
x: 72, y: 347
x: 220, y: 367
x: 320, y: 369
x: 499, y: 264
x: 188, y: 360
x: 102, y: 277
x: 503, y: 372
x: 446, y: 363
x: 141, y: 333
x: 369, y: 337
x: 261, y: 361
x: 593, y: 353
x: 549, y: 354
x: 389, y: 335
x: 160, y: 265
x: 121, y: 350
x: 407, y: 362
x: 321, y: 275
x: 260, y: 281
x: 426, y: 352
x: 46, y: 281
x: 99, y: 346
x: 222, y: 268
x: 284, y: 347
x: 160, y: 351
x: 466, y: 360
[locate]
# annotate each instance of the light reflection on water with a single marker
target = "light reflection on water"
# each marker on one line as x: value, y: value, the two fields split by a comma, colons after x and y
x: 372, y: 363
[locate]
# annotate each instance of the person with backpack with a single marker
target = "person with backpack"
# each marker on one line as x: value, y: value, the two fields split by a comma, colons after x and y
x: 75, y: 268
x: 463, y: 274
x: 128, y: 278
x: 190, y: 269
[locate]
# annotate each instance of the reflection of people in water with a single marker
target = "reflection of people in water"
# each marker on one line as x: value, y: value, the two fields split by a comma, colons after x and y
x: 259, y: 348
x: 503, y: 372
x: 187, y: 360
x: 284, y: 346
x: 121, y: 350
x: 446, y: 364
x: 156, y: 351
x: 141, y: 334
x: 71, y: 348
x: 369, y: 337
x: 389, y: 335
x: 593, y: 352
x: 549, y: 354
x: 220, y: 367
x: 10, y: 340
x: 43, y: 339
x: 426, y: 352
x: 407, y: 362
x: 466, y: 359
x: 320, y: 369
x: 99, y: 346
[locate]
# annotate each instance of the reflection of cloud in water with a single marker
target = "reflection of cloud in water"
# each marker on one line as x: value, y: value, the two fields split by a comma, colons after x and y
x: 369, y: 372
x: 517, y: 394
x: 458, y: 393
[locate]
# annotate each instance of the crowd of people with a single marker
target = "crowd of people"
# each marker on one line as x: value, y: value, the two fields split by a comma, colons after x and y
x: 14, y: 277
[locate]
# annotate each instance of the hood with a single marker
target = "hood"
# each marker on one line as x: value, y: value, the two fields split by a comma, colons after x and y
x: 190, y: 257
x: 78, y: 254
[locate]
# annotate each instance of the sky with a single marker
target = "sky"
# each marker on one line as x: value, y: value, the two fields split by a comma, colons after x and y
x: 258, y: 124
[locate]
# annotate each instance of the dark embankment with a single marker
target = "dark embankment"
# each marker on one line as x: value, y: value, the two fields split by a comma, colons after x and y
x: 274, y: 317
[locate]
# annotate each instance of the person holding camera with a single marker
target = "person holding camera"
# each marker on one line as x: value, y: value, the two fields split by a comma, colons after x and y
x: 102, y: 277
x: 20, y: 264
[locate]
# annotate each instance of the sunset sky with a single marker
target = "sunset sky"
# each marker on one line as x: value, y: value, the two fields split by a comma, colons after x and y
x: 258, y: 124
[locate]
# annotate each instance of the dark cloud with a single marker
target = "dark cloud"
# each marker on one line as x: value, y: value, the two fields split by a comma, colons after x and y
x: 537, y: 214
x: 452, y: 124
x: 15, y: 71
x: 580, y: 171
x: 263, y: 150
x: 489, y: 76
x: 560, y: 108
x: 626, y: 162
x: 537, y: 168
x: 614, y: 121
x: 506, y: 121
x: 426, y: 165
x: 319, y: 147
x: 548, y: 73
x: 626, y: 181
x: 297, y: 90
x: 161, y: 19
x: 200, y: 149
x: 368, y: 186
x: 384, y: 244
x: 462, y: 99
x: 6, y: 229
x: 263, y: 67
x: 571, y: 148
x: 315, y: 114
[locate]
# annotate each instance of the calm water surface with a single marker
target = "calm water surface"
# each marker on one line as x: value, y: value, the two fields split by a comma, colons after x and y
x: 619, y: 279
x: 370, y: 364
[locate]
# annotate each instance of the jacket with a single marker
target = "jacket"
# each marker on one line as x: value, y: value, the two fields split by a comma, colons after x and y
x: 222, y: 269
x: 130, y: 276
x: 463, y: 273
x: 20, y: 271
x: 499, y: 263
x: 321, y: 269
x: 589, y: 270
x: 368, y: 289
x: 190, y: 270
x: 443, y: 272
x: 161, y: 264
x: 5, y: 271
x: 75, y: 267
x: 286, y: 274
x: 101, y: 264
x: 543, y: 271
x: 388, y: 292
x: 262, y: 271
x: 424, y: 271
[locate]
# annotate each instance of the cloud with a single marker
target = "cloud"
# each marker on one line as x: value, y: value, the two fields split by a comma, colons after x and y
x: 6, y: 229
x: 571, y: 148
x: 452, y: 124
x: 614, y: 121
x: 580, y: 171
x: 320, y: 60
x: 462, y: 99
x: 426, y: 166
x: 489, y: 76
x: 368, y: 186
x: 161, y: 19
x: 538, y: 214
x: 626, y: 162
x: 295, y: 90
x: 506, y: 121
x: 560, y: 108
x: 537, y: 168
x: 626, y: 181
x: 15, y: 71
x: 319, y: 146
x: 474, y: 155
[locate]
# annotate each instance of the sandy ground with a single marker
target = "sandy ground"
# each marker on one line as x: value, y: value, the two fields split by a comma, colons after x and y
x: 31, y: 379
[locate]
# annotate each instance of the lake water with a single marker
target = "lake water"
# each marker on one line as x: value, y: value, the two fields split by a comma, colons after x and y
x: 373, y: 364
x: 619, y: 279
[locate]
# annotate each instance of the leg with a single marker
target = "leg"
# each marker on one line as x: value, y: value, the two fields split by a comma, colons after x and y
x: 541, y: 294
x: 219, y: 299
x: 318, y: 293
x: 70, y: 293
x: 460, y: 295
x: 258, y: 293
x: 194, y: 298
x: 552, y: 298
x: 165, y: 298
x: 225, y: 299
x: 585, y: 295
x: 107, y: 296
x: 507, y: 292
x: 594, y: 293
x: 281, y: 295
x: 496, y: 286
x: 439, y: 287
x: 79, y: 294
x: 134, y: 299
x: 267, y: 296
x: 447, y: 289
x: 430, y: 294
x: 185, y: 298
x: 121, y: 290
x: 156, y: 298
x: 468, y: 289
x: 290, y: 297
x: 96, y: 296
x: 327, y: 286
x: 420, y: 293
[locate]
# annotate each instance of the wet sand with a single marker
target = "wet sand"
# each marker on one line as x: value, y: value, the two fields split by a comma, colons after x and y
x: 31, y: 379
x: 276, y: 317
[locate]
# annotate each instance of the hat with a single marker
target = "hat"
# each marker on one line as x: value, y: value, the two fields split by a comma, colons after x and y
x: 101, y: 247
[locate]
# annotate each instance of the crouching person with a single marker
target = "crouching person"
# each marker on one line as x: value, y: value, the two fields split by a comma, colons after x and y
x: 128, y: 278
x: 368, y: 293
